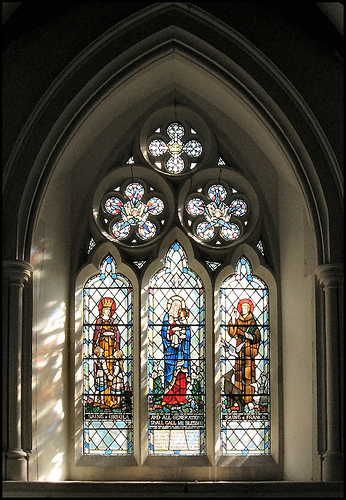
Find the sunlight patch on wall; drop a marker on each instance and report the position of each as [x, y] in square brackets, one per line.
[56, 473]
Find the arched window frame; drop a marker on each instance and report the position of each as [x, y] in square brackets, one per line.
[322, 231]
[89, 270]
[153, 268]
[268, 462]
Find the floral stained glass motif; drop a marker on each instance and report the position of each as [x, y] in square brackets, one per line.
[176, 358]
[244, 347]
[107, 362]
[171, 152]
[130, 215]
[214, 217]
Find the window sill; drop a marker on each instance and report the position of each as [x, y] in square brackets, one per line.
[177, 461]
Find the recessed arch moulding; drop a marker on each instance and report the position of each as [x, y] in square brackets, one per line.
[98, 130]
[102, 120]
[103, 138]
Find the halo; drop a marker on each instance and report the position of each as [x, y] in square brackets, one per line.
[245, 301]
[176, 297]
[107, 302]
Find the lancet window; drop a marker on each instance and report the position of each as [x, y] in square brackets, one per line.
[107, 362]
[176, 358]
[244, 345]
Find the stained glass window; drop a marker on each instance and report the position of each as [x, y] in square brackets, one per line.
[139, 263]
[219, 216]
[260, 247]
[176, 358]
[91, 245]
[213, 265]
[133, 213]
[218, 211]
[176, 152]
[244, 347]
[107, 362]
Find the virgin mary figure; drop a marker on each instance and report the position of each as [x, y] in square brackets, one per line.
[176, 337]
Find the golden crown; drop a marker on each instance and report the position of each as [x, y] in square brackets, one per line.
[107, 302]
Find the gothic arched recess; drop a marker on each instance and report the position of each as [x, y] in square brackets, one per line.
[88, 123]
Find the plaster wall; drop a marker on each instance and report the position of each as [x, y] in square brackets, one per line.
[50, 258]
[297, 339]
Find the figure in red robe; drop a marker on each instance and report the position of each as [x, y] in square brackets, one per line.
[176, 337]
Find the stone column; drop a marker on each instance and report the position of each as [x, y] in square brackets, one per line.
[330, 277]
[16, 274]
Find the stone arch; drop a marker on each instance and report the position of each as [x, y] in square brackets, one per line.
[172, 42]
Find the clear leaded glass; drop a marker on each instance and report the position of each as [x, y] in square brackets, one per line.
[244, 346]
[176, 358]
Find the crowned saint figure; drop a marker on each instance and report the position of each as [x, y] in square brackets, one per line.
[105, 344]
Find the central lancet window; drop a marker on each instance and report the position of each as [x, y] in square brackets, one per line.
[176, 358]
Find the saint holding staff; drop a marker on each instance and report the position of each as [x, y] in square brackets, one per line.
[243, 327]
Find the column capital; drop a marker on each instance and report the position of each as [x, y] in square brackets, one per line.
[17, 271]
[330, 274]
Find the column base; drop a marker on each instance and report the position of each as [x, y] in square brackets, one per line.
[332, 466]
[16, 465]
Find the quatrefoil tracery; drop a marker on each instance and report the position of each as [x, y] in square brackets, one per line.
[170, 153]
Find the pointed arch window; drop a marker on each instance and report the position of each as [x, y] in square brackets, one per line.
[176, 358]
[181, 404]
[107, 362]
[244, 344]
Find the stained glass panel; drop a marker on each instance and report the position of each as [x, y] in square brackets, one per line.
[220, 218]
[91, 245]
[158, 147]
[130, 214]
[107, 362]
[193, 148]
[260, 247]
[176, 358]
[244, 345]
[175, 164]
